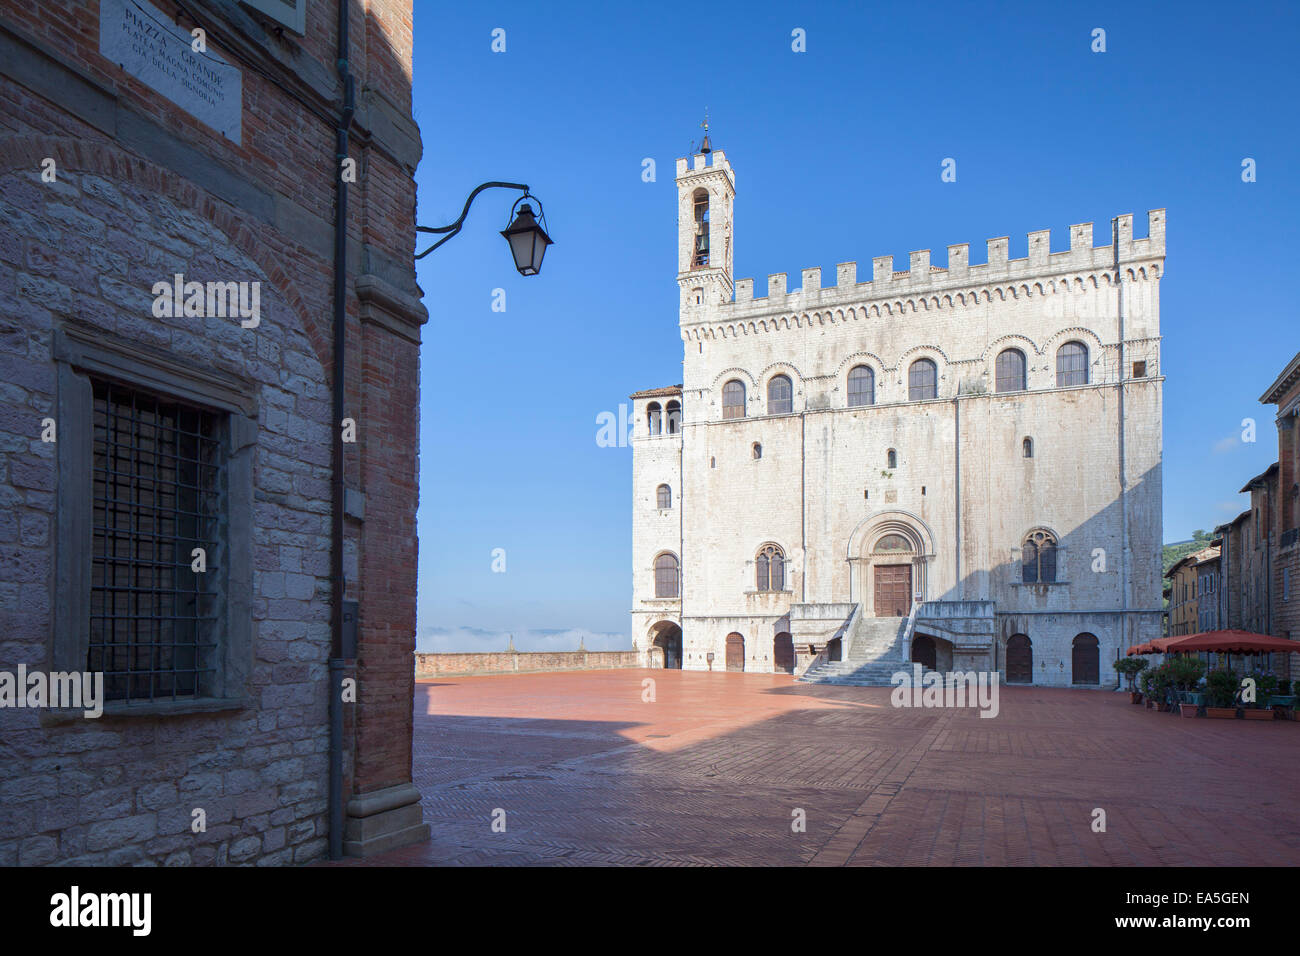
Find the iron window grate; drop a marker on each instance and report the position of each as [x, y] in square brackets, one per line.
[155, 623]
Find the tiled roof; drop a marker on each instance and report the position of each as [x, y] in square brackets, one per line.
[658, 392]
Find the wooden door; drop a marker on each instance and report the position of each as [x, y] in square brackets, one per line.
[735, 652]
[783, 654]
[893, 590]
[1020, 660]
[1085, 660]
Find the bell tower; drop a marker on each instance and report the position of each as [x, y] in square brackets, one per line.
[706, 191]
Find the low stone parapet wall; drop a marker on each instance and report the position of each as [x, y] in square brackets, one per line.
[519, 662]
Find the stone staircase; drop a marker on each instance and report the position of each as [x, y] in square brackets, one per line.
[875, 652]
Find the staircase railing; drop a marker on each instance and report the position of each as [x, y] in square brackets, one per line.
[910, 626]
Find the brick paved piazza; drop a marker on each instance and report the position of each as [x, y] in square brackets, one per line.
[710, 772]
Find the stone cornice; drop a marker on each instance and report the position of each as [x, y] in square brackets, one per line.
[835, 305]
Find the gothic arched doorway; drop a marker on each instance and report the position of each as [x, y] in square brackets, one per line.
[1020, 660]
[923, 651]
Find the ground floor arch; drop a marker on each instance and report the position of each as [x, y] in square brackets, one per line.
[1020, 660]
[735, 652]
[666, 646]
[1085, 660]
[783, 653]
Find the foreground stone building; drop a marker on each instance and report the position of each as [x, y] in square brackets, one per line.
[958, 465]
[169, 512]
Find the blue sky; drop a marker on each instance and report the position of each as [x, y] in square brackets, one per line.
[837, 152]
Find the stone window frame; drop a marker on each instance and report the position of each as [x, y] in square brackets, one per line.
[1017, 561]
[79, 354]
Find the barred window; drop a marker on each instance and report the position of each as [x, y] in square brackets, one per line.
[771, 568]
[157, 469]
[666, 576]
[1010, 370]
[862, 386]
[1071, 364]
[1038, 558]
[780, 396]
[733, 400]
[922, 380]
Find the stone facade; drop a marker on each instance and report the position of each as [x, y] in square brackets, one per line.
[142, 190]
[943, 493]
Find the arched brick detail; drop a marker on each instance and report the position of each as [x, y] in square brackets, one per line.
[105, 159]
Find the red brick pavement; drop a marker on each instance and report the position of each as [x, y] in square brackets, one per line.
[711, 771]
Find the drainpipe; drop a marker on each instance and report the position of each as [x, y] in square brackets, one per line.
[337, 661]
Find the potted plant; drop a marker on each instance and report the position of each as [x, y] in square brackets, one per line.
[1265, 684]
[1162, 682]
[1221, 688]
[1185, 673]
[1131, 667]
[1146, 688]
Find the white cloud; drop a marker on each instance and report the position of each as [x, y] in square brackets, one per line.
[1225, 445]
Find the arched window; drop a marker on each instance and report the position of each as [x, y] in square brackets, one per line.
[1010, 369]
[733, 399]
[673, 417]
[1085, 660]
[1038, 558]
[922, 380]
[664, 496]
[654, 418]
[1071, 364]
[771, 568]
[780, 395]
[666, 576]
[757, 451]
[862, 386]
[700, 252]
[891, 459]
[1027, 447]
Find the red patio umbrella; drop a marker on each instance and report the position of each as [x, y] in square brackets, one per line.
[1229, 642]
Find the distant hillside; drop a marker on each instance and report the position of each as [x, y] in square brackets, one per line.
[1173, 553]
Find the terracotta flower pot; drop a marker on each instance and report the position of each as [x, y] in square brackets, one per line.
[1228, 713]
[1187, 710]
[1254, 713]
[1135, 696]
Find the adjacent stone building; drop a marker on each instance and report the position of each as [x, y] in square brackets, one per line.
[1193, 593]
[170, 181]
[958, 465]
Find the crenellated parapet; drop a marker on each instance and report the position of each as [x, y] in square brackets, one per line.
[924, 286]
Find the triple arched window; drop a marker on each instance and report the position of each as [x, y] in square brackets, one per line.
[1038, 558]
[733, 399]
[780, 395]
[666, 576]
[1009, 371]
[770, 566]
[862, 386]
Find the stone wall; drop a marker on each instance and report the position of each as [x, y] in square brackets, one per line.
[519, 662]
[143, 191]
